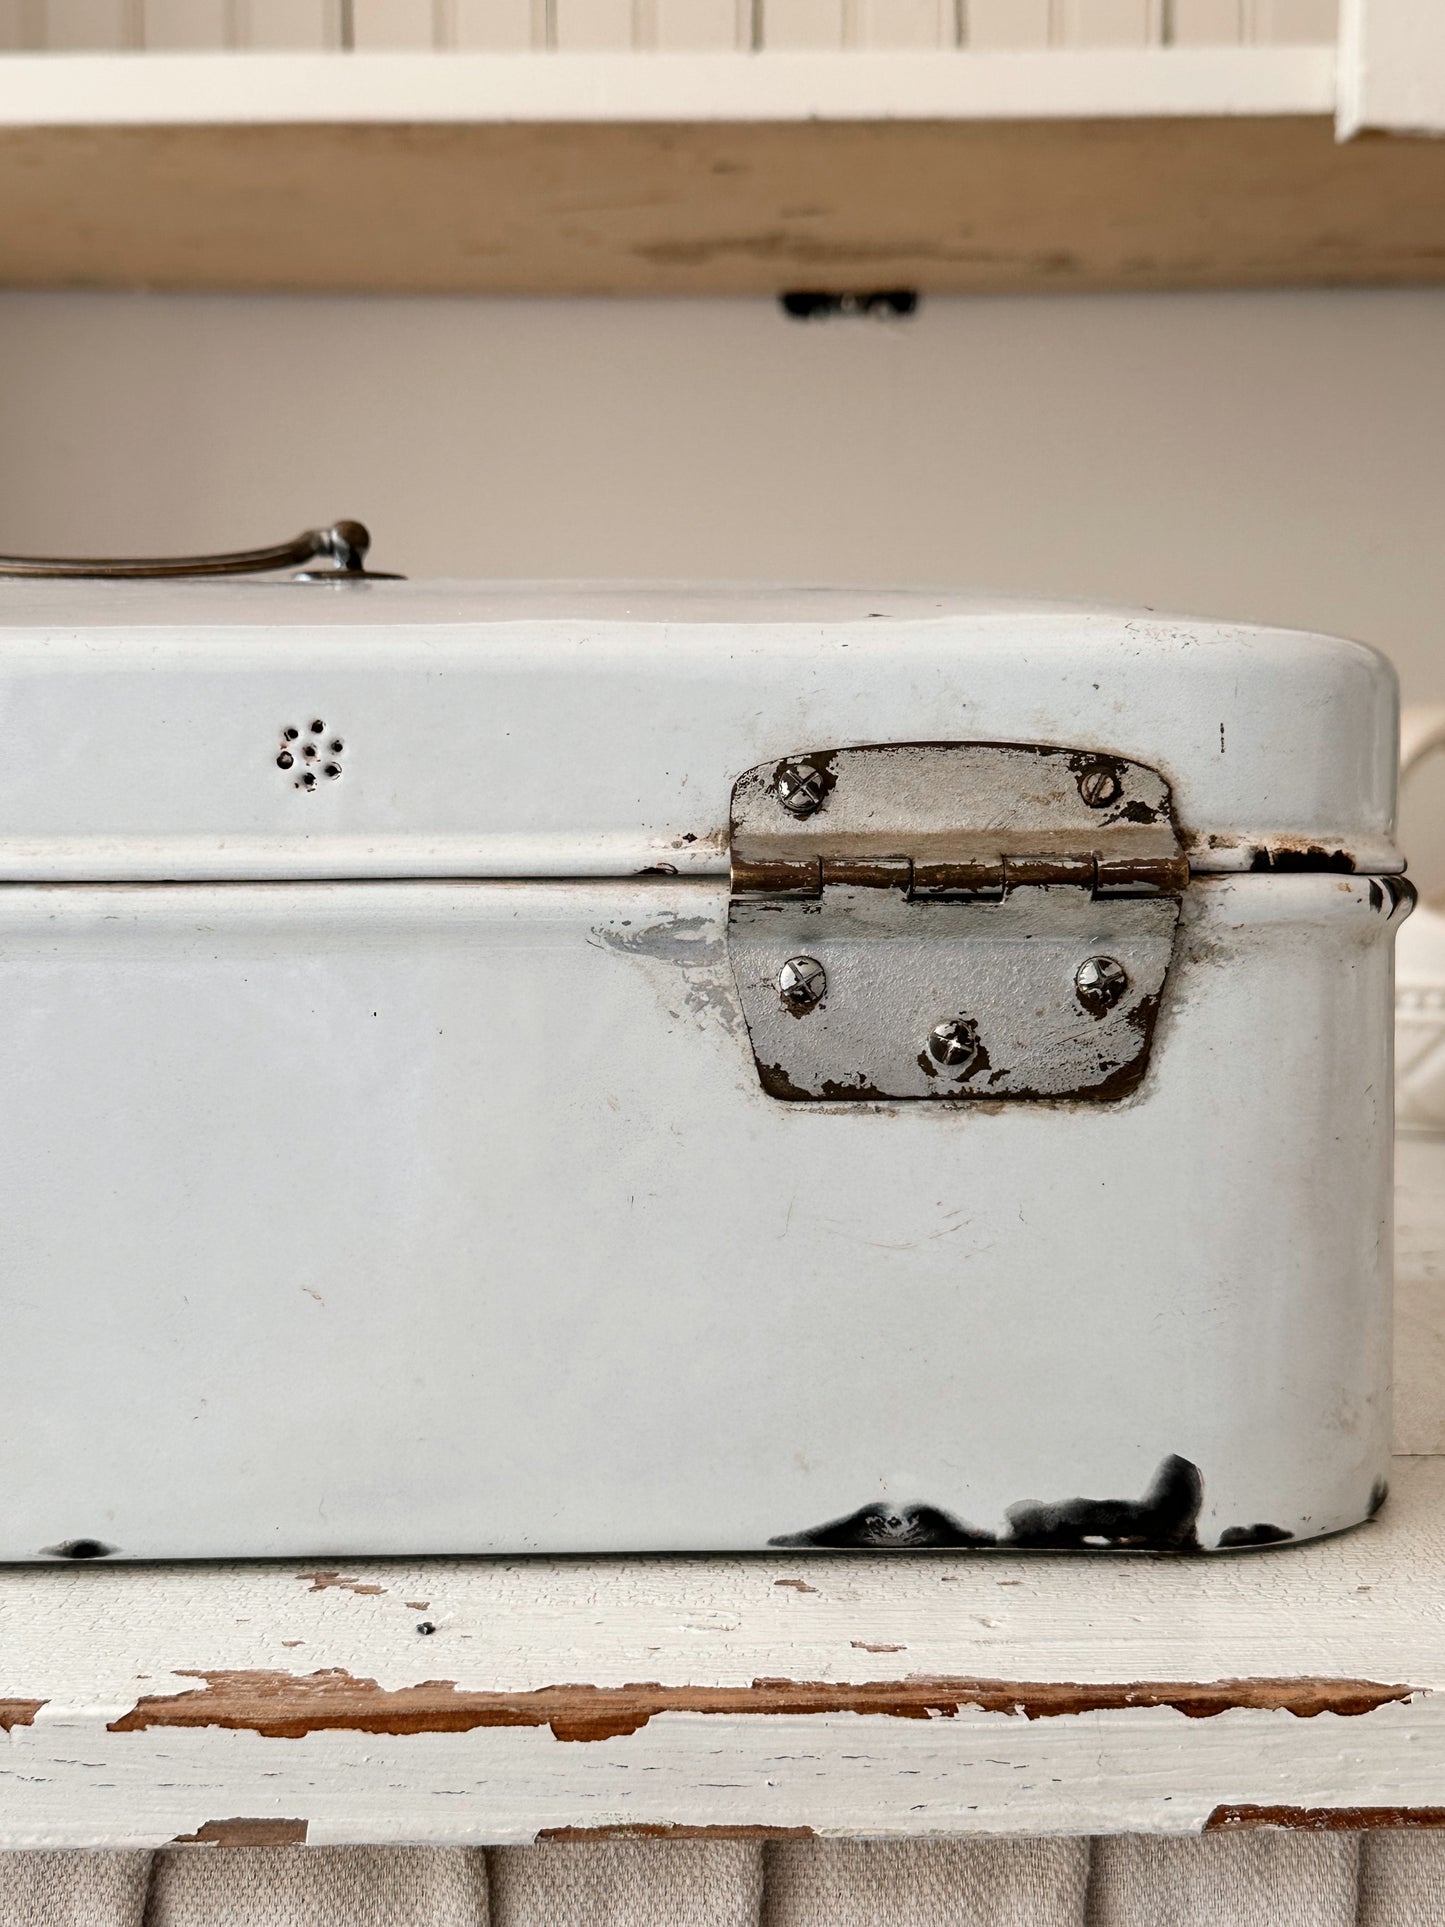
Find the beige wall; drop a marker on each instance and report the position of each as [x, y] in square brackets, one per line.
[1274, 456]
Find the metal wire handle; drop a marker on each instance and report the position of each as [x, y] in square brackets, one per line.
[344, 543]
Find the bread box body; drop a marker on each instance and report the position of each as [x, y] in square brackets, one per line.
[420, 1137]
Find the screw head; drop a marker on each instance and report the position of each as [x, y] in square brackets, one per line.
[954, 1043]
[1099, 983]
[1100, 786]
[802, 788]
[802, 982]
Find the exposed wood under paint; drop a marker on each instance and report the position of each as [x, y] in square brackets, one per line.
[288, 1706]
[245, 1833]
[720, 208]
[1327, 1819]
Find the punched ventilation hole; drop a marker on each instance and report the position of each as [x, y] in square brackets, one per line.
[309, 752]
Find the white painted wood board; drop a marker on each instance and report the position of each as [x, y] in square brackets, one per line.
[1108, 23]
[1006, 24]
[21, 26]
[497, 26]
[595, 26]
[900, 1696]
[185, 25]
[903, 23]
[381, 24]
[1392, 66]
[1296, 22]
[110, 25]
[290, 26]
[803, 23]
[721, 26]
[994, 83]
[1206, 23]
[162, 25]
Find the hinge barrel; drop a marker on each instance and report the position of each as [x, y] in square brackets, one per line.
[981, 880]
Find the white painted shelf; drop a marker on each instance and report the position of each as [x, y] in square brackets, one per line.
[875, 1694]
[715, 146]
[423, 89]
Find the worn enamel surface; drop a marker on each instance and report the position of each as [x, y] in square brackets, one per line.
[586, 730]
[364, 1216]
[525, 1259]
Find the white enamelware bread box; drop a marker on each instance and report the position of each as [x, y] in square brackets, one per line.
[503, 1068]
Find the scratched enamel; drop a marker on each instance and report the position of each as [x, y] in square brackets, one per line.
[408, 1150]
[596, 729]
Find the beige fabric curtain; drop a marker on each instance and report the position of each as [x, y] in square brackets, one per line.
[1256, 1879]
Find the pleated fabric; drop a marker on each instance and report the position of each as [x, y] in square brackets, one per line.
[64, 1889]
[675, 1883]
[925, 1883]
[1249, 1879]
[1402, 1879]
[1253, 1879]
[310, 1886]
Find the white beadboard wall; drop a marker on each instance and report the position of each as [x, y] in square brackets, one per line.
[72, 26]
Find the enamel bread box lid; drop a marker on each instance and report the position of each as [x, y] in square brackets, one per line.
[510, 1068]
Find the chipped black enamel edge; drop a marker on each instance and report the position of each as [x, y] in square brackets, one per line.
[1164, 1519]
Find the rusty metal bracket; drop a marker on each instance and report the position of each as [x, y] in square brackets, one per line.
[952, 920]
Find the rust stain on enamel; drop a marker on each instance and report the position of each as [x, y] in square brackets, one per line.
[289, 1706]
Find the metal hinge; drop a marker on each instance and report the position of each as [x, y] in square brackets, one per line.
[953, 920]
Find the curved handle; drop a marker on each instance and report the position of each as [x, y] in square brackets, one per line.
[344, 543]
[1422, 729]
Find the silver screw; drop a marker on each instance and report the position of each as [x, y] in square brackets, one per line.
[954, 1043]
[1100, 787]
[801, 983]
[1099, 983]
[801, 788]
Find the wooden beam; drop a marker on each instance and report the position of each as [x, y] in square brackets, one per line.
[719, 209]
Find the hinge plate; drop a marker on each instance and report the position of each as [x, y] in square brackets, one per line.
[952, 921]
